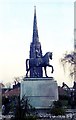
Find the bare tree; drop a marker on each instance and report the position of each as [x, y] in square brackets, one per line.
[69, 59]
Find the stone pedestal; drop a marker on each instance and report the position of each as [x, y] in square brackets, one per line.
[41, 92]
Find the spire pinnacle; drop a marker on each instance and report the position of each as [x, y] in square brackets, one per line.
[35, 30]
[34, 9]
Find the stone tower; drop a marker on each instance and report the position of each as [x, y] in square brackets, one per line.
[35, 49]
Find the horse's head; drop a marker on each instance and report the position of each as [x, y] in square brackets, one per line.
[50, 55]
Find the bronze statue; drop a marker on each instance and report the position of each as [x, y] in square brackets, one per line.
[39, 62]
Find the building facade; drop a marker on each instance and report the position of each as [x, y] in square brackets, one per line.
[75, 38]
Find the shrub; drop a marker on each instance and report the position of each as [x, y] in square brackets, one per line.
[23, 110]
[57, 111]
[57, 108]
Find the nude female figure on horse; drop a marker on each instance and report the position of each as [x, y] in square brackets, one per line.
[39, 62]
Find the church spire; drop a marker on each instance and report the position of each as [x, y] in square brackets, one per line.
[35, 49]
[35, 30]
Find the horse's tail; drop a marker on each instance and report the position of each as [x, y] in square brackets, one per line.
[27, 60]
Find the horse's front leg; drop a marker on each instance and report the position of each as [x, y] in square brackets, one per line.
[45, 72]
[52, 68]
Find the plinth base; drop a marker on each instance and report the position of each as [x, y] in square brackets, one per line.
[41, 92]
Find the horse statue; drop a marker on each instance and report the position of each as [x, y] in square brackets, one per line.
[39, 62]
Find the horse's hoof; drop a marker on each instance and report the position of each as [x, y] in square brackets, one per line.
[52, 71]
[47, 76]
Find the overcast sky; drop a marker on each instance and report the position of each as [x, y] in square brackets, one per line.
[55, 21]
